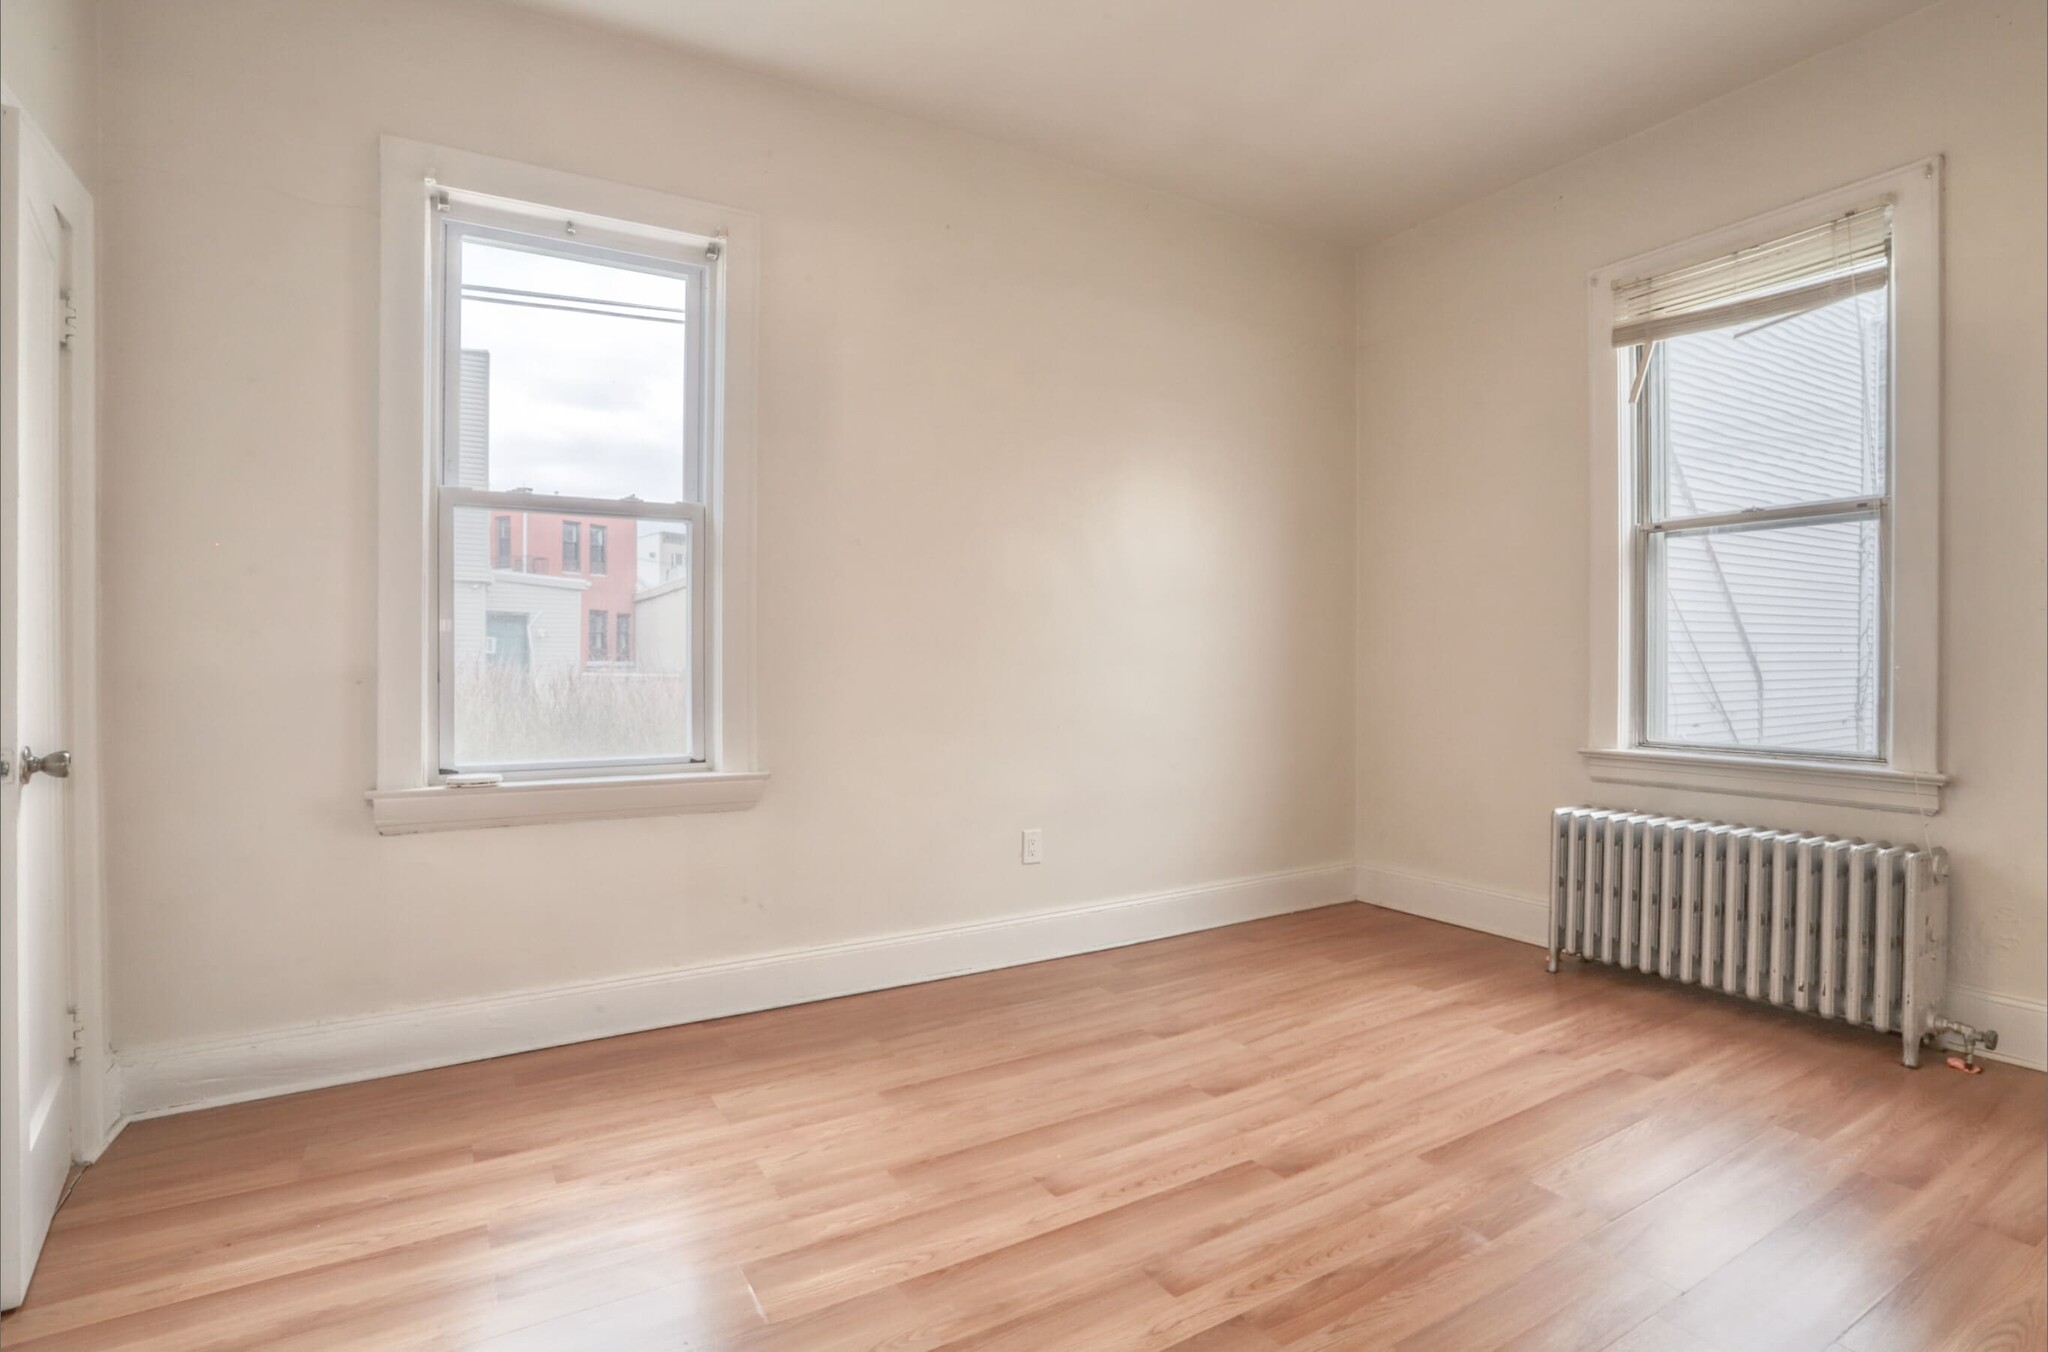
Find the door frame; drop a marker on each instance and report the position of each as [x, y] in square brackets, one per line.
[97, 1115]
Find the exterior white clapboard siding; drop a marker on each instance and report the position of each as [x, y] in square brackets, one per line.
[1773, 635]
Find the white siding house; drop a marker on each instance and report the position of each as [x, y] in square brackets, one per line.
[1771, 635]
[514, 618]
[661, 614]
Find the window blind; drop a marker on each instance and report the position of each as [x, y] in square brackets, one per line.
[1844, 256]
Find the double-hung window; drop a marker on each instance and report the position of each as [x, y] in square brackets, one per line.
[561, 359]
[574, 396]
[1761, 436]
[1773, 572]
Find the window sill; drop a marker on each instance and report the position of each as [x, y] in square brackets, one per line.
[439, 807]
[1759, 777]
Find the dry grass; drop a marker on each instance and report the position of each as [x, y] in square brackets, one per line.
[504, 715]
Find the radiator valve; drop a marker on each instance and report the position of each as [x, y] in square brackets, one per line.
[1972, 1039]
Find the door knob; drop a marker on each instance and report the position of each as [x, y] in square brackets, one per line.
[56, 764]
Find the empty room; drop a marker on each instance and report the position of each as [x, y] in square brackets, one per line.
[910, 674]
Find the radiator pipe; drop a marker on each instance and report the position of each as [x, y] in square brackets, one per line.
[1973, 1038]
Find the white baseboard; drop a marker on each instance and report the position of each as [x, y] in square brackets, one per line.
[2022, 1024]
[1500, 913]
[182, 1077]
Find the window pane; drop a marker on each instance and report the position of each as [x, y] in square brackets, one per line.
[1766, 639]
[1773, 412]
[536, 678]
[573, 376]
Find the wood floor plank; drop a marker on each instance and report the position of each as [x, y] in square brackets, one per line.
[1803, 1285]
[1336, 1130]
[1656, 1335]
[1577, 1298]
[1124, 1238]
[1686, 1232]
[1397, 1310]
[1957, 1294]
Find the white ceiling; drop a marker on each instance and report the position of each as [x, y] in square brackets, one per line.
[1348, 118]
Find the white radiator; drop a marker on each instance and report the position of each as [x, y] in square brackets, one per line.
[1840, 929]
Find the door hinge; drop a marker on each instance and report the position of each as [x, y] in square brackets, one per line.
[77, 1033]
[70, 329]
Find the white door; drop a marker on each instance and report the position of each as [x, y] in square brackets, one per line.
[38, 1084]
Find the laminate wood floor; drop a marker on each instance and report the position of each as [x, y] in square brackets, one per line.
[1341, 1129]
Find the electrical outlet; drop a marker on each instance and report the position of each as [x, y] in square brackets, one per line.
[1034, 846]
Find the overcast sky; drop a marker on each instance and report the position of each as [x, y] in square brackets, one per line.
[582, 404]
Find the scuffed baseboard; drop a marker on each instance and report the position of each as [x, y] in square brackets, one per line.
[181, 1077]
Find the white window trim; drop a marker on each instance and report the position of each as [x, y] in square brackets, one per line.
[1910, 779]
[445, 808]
[408, 796]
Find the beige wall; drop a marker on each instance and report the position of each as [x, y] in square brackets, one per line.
[1473, 529]
[47, 61]
[1055, 524]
